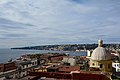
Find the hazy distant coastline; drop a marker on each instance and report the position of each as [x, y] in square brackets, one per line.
[70, 47]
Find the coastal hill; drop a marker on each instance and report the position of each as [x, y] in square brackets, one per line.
[70, 47]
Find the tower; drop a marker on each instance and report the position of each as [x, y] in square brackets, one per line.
[101, 59]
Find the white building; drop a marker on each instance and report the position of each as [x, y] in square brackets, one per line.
[69, 60]
[89, 53]
[116, 65]
[116, 61]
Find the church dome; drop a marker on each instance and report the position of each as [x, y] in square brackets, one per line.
[100, 53]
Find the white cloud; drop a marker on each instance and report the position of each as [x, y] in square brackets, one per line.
[53, 21]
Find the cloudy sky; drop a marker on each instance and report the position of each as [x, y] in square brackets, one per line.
[41, 22]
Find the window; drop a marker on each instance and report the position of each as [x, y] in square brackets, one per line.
[93, 64]
[101, 65]
[108, 65]
[27, 65]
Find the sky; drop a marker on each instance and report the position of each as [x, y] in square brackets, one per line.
[48, 22]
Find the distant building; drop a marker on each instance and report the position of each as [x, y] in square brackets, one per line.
[116, 65]
[69, 60]
[89, 53]
[7, 66]
[116, 62]
[21, 65]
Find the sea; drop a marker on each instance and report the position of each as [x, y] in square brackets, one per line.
[7, 54]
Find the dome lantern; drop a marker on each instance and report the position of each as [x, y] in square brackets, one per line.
[100, 43]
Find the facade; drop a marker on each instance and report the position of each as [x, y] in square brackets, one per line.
[101, 59]
[7, 67]
[17, 69]
[22, 65]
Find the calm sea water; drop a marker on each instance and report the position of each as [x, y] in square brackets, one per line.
[6, 54]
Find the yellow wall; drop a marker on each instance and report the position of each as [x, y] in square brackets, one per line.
[105, 64]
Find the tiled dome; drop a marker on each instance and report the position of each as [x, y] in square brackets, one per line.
[100, 53]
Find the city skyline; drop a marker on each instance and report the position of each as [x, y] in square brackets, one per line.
[42, 22]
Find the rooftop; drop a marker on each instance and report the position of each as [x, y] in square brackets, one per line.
[69, 68]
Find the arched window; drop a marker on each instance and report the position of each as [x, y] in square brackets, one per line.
[101, 65]
[93, 64]
[108, 66]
